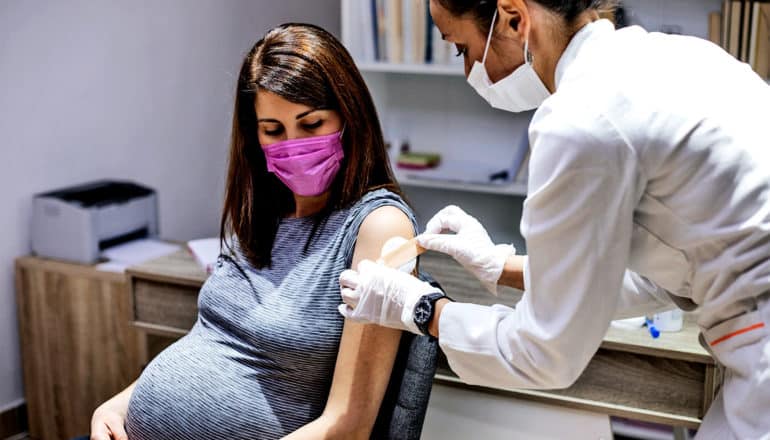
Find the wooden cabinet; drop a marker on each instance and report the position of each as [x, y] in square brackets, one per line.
[78, 348]
[164, 300]
[670, 380]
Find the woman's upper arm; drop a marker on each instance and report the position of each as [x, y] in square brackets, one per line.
[382, 224]
[366, 352]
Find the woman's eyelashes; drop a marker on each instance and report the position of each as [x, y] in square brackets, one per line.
[273, 131]
[461, 50]
[305, 126]
[312, 125]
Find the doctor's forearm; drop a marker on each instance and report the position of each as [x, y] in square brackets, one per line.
[433, 325]
[513, 272]
[512, 276]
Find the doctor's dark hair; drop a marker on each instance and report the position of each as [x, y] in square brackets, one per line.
[305, 65]
[483, 10]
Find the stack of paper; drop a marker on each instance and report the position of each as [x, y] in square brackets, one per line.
[206, 251]
[134, 252]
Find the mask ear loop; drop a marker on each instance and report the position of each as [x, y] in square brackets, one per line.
[489, 37]
[341, 153]
[528, 58]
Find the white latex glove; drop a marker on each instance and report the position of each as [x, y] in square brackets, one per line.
[470, 245]
[380, 295]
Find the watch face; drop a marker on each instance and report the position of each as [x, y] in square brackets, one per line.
[422, 312]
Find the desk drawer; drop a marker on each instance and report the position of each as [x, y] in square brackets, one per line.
[163, 308]
[636, 386]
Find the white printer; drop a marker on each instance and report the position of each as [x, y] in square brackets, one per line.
[77, 223]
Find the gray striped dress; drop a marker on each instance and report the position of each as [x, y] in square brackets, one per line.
[259, 361]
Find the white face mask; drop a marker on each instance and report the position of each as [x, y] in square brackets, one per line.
[520, 91]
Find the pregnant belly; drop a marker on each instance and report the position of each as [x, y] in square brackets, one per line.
[197, 389]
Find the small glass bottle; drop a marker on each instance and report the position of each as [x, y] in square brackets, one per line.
[668, 321]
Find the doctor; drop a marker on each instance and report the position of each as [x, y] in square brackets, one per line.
[649, 188]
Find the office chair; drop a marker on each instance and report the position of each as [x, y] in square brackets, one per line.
[405, 403]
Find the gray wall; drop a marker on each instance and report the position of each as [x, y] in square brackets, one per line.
[138, 90]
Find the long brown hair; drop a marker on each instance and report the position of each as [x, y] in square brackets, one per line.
[305, 65]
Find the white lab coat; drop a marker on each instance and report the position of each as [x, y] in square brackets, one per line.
[649, 186]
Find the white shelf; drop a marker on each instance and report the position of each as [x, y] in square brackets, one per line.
[507, 189]
[419, 69]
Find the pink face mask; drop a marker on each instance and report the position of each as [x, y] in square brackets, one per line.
[307, 165]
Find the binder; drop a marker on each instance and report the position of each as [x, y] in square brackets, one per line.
[393, 31]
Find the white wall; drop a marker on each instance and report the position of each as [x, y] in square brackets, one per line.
[690, 17]
[138, 90]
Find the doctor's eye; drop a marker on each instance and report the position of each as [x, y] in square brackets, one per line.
[461, 50]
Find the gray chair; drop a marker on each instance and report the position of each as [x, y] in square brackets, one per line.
[405, 403]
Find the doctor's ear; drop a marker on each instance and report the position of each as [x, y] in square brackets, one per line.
[514, 21]
[515, 15]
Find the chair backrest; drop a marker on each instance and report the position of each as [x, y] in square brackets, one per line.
[403, 408]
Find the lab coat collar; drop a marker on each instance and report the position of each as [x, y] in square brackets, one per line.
[585, 34]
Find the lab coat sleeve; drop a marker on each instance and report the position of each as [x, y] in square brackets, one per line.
[577, 222]
[640, 296]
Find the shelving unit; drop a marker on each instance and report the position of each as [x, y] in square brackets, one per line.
[431, 107]
[434, 110]
[506, 189]
[418, 69]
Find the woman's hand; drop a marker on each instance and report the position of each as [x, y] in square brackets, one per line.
[109, 419]
[470, 245]
[107, 422]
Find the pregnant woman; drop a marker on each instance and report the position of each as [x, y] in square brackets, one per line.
[309, 193]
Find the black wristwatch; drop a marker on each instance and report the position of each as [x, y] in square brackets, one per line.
[425, 309]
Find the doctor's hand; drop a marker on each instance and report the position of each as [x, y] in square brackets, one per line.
[470, 245]
[380, 295]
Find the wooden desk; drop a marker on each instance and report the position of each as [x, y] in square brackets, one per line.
[670, 380]
[77, 347]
